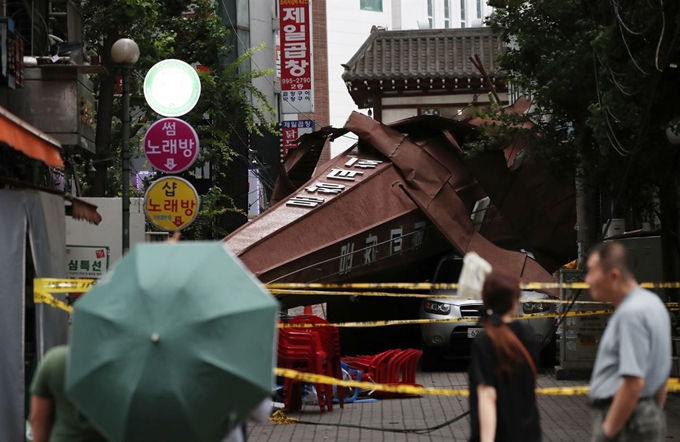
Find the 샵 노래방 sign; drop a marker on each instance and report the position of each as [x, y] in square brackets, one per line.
[171, 145]
[171, 203]
[296, 56]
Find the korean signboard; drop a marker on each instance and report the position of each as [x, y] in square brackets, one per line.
[171, 203]
[171, 145]
[292, 130]
[87, 262]
[172, 88]
[296, 56]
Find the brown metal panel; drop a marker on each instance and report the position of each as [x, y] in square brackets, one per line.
[445, 209]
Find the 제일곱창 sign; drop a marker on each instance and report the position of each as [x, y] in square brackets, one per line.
[171, 203]
[296, 56]
[171, 145]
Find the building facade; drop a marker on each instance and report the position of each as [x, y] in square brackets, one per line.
[351, 25]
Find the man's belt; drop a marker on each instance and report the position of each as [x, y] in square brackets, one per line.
[603, 403]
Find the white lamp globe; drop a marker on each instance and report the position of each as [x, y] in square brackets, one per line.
[125, 51]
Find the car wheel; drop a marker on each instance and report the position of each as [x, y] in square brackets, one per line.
[431, 359]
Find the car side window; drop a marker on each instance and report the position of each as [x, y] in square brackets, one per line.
[448, 270]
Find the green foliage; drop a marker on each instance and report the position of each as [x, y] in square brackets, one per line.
[207, 225]
[228, 96]
[498, 131]
[594, 72]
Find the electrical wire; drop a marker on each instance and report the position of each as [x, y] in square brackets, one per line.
[620, 20]
[625, 43]
[390, 430]
[610, 131]
[663, 31]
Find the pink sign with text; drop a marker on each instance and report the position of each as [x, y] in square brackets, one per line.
[171, 145]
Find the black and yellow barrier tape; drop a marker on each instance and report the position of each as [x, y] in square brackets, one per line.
[313, 378]
[45, 298]
[445, 286]
[279, 418]
[279, 292]
[53, 285]
[399, 388]
[440, 321]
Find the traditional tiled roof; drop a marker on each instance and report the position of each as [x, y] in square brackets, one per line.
[424, 54]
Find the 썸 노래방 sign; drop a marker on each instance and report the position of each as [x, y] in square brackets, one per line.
[172, 88]
[171, 203]
[171, 145]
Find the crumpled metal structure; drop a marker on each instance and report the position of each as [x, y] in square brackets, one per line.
[405, 194]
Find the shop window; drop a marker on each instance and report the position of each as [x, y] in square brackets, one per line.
[371, 5]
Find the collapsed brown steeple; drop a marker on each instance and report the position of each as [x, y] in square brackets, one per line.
[403, 195]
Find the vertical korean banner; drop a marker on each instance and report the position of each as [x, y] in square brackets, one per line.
[296, 56]
[291, 131]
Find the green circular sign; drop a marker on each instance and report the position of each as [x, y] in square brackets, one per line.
[172, 88]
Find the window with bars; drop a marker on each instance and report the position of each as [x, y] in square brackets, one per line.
[463, 13]
[479, 8]
[430, 13]
[371, 5]
[447, 13]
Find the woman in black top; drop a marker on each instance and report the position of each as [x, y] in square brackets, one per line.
[502, 369]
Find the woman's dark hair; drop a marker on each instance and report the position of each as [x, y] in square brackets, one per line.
[499, 293]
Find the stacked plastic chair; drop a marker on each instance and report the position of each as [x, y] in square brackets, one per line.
[330, 341]
[389, 367]
[301, 352]
[321, 354]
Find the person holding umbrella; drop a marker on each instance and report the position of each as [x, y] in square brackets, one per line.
[175, 343]
[503, 369]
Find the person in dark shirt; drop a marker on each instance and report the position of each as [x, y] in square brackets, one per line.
[503, 369]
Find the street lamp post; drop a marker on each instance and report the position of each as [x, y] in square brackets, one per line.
[125, 53]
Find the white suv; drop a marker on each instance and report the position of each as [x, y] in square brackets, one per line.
[452, 339]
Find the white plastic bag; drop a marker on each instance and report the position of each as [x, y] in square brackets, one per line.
[472, 276]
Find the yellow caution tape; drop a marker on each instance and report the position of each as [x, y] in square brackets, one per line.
[443, 321]
[53, 285]
[445, 286]
[45, 298]
[279, 418]
[280, 292]
[400, 388]
[673, 385]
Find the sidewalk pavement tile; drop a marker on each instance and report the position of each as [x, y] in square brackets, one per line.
[563, 418]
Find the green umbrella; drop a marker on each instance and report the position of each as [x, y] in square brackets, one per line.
[176, 343]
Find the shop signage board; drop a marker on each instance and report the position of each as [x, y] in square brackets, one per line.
[292, 130]
[171, 203]
[87, 262]
[171, 145]
[172, 88]
[296, 56]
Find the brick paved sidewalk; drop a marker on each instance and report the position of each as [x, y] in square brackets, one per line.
[563, 418]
